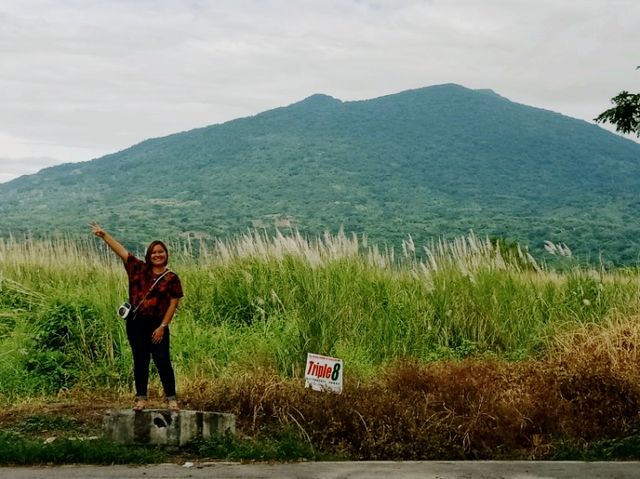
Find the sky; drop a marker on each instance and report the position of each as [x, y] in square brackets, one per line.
[83, 78]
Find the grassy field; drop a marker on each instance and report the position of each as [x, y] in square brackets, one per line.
[460, 349]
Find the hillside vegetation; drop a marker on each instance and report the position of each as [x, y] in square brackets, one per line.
[433, 162]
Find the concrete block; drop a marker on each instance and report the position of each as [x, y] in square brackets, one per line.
[164, 427]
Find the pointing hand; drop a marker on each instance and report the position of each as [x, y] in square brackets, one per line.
[97, 230]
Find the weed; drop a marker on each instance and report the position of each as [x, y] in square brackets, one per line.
[282, 445]
[16, 450]
[41, 424]
[626, 448]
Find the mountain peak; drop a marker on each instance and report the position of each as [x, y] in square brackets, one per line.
[318, 100]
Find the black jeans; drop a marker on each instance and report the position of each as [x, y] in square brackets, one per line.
[139, 331]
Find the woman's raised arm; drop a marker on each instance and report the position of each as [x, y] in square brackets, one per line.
[111, 242]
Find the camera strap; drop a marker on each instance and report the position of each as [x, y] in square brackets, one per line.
[152, 286]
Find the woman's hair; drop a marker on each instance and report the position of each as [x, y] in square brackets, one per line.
[147, 256]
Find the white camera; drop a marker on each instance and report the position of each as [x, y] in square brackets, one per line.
[124, 309]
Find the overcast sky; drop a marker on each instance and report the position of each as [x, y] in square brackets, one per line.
[83, 78]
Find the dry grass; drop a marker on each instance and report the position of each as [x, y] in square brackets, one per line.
[455, 410]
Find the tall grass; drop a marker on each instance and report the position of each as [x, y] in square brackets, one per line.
[258, 302]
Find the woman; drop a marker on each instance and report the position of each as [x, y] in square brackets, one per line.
[154, 294]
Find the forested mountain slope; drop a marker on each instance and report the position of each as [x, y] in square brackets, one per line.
[436, 161]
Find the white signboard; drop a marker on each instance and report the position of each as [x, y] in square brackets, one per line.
[323, 373]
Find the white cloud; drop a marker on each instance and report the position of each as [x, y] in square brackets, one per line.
[94, 76]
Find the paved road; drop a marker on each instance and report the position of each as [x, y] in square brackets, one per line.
[340, 470]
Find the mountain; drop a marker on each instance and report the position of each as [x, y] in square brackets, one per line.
[430, 162]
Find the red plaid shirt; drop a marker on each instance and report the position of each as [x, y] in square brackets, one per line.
[141, 277]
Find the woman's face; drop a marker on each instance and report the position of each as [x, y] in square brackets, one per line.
[158, 256]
